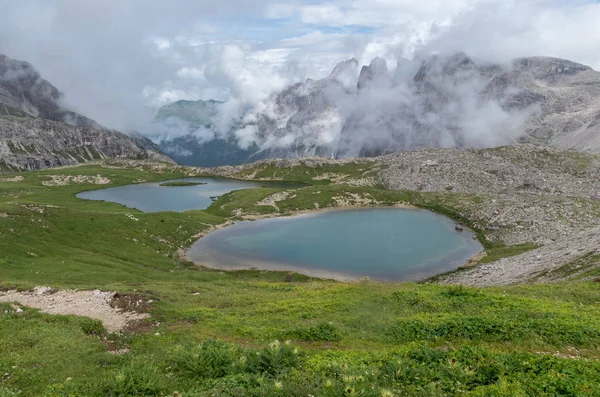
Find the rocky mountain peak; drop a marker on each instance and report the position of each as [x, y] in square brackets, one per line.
[375, 75]
[447, 100]
[23, 89]
[440, 66]
[542, 67]
[342, 67]
[345, 73]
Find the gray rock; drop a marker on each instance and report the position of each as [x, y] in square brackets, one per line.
[36, 131]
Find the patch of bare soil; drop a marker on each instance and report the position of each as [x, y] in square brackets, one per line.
[131, 303]
[273, 199]
[18, 178]
[63, 180]
[116, 311]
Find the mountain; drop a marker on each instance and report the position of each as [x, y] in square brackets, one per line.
[196, 142]
[567, 93]
[37, 131]
[195, 113]
[300, 115]
[440, 101]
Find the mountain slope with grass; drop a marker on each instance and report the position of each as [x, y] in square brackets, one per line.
[214, 333]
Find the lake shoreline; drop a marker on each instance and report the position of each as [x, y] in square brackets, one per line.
[314, 273]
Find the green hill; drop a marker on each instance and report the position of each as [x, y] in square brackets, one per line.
[213, 333]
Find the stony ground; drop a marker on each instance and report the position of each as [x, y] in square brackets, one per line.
[99, 305]
[524, 194]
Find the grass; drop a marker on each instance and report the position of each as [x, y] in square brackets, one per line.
[180, 184]
[324, 172]
[211, 332]
[498, 253]
[584, 267]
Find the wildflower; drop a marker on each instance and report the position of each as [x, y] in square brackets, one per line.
[386, 393]
[275, 345]
[278, 385]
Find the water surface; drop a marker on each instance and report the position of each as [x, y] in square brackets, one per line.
[151, 197]
[383, 244]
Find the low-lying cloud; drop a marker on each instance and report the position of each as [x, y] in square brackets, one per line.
[117, 62]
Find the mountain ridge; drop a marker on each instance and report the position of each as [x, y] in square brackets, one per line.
[441, 101]
[37, 131]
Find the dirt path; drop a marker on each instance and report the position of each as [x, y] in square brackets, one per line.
[94, 304]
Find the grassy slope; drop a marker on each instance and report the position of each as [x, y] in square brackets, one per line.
[364, 338]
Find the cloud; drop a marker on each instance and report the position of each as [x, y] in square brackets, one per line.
[117, 60]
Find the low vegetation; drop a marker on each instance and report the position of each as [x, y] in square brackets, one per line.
[215, 333]
[181, 184]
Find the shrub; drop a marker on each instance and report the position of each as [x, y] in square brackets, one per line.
[209, 360]
[92, 327]
[276, 359]
[137, 378]
[320, 332]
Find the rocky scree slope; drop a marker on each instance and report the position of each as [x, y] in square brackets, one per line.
[36, 131]
[515, 194]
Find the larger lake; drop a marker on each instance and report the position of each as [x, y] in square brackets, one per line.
[383, 244]
[152, 197]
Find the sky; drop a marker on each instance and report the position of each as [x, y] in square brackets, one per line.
[116, 61]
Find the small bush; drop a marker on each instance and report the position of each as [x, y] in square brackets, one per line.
[137, 378]
[460, 290]
[209, 360]
[276, 359]
[92, 327]
[321, 332]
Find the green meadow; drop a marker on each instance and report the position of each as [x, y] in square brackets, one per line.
[258, 333]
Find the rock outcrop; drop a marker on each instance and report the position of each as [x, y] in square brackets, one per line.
[31, 143]
[37, 131]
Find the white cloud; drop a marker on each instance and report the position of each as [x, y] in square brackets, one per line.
[113, 59]
[191, 73]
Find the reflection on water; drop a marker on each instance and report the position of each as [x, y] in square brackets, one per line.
[151, 197]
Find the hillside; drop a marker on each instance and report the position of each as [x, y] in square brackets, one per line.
[36, 131]
[191, 331]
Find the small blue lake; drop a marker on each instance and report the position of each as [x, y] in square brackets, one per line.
[383, 244]
[152, 197]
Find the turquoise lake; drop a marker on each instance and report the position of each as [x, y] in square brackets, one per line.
[151, 197]
[383, 244]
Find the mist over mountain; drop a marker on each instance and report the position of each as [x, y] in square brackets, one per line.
[38, 131]
[440, 101]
